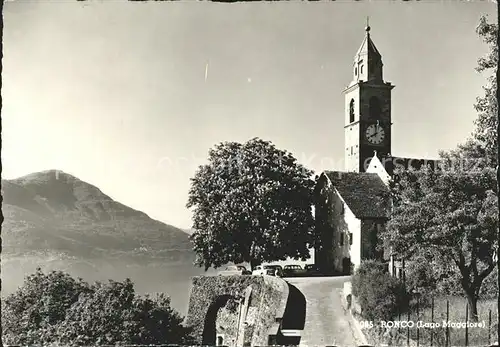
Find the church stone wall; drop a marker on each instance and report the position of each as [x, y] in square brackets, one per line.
[325, 224]
[383, 93]
[333, 218]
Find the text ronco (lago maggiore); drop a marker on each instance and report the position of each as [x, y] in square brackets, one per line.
[422, 324]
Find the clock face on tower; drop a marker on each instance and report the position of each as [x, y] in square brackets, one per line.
[375, 134]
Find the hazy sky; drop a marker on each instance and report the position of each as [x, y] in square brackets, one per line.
[119, 93]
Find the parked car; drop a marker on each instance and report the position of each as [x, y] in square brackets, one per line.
[311, 269]
[278, 270]
[263, 270]
[293, 270]
[244, 270]
[235, 270]
[270, 270]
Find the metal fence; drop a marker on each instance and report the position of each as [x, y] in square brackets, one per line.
[421, 323]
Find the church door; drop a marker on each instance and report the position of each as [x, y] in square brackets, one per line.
[346, 266]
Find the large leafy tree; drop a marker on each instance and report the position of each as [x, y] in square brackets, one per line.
[56, 308]
[481, 149]
[252, 203]
[451, 216]
[486, 130]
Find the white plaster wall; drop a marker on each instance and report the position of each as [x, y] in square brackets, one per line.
[377, 167]
[354, 225]
[347, 223]
[352, 132]
[352, 94]
[351, 140]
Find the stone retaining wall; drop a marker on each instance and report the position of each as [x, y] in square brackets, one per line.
[242, 310]
[349, 300]
[353, 308]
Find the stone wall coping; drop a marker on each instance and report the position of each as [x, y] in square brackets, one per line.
[347, 289]
[349, 302]
[276, 281]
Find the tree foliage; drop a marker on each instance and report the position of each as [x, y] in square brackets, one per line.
[56, 308]
[485, 132]
[451, 214]
[489, 289]
[480, 149]
[379, 294]
[252, 203]
[419, 275]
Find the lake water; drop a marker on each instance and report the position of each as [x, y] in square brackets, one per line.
[151, 276]
[175, 281]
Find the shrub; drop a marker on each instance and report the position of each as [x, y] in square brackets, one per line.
[379, 294]
[489, 288]
[432, 276]
[31, 314]
[448, 284]
[55, 308]
[420, 276]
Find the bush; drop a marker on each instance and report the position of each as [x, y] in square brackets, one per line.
[489, 288]
[448, 284]
[432, 276]
[420, 276]
[55, 308]
[379, 294]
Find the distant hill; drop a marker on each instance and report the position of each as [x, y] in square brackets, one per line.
[189, 231]
[57, 221]
[52, 210]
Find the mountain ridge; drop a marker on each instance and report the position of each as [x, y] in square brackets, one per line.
[55, 221]
[47, 207]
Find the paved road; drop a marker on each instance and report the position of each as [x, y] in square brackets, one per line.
[326, 322]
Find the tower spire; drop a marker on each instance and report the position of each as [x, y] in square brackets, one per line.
[367, 109]
[367, 61]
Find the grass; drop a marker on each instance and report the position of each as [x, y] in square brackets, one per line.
[477, 336]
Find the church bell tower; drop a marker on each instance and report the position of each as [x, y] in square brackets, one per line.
[367, 109]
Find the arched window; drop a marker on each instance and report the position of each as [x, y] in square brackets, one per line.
[375, 109]
[361, 69]
[351, 111]
[355, 71]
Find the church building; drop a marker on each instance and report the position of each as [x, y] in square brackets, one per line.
[353, 206]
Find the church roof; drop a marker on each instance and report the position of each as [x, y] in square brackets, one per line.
[368, 47]
[365, 193]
